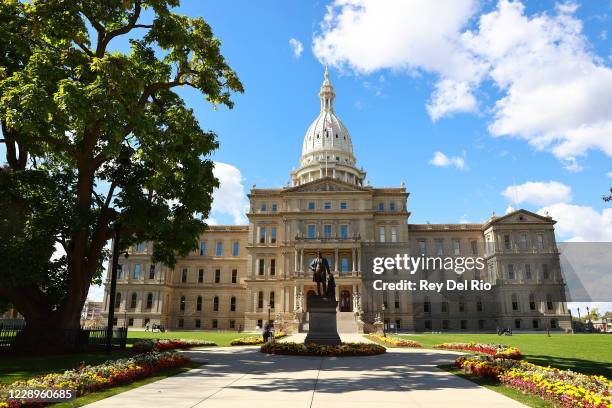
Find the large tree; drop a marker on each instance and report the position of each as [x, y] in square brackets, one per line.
[95, 136]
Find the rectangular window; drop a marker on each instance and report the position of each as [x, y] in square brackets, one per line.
[344, 264]
[327, 205]
[381, 206]
[344, 231]
[235, 248]
[219, 248]
[311, 205]
[217, 275]
[445, 324]
[312, 230]
[272, 266]
[545, 272]
[398, 324]
[273, 235]
[201, 276]
[456, 247]
[131, 321]
[527, 271]
[474, 246]
[507, 241]
[463, 324]
[232, 324]
[274, 207]
[198, 323]
[140, 247]
[203, 248]
[152, 272]
[119, 271]
[264, 207]
[215, 324]
[392, 206]
[184, 275]
[234, 275]
[428, 324]
[481, 324]
[262, 235]
[181, 323]
[262, 266]
[393, 233]
[510, 271]
[540, 242]
[422, 247]
[136, 272]
[271, 301]
[439, 247]
[523, 241]
[535, 324]
[444, 306]
[381, 234]
[344, 205]
[327, 231]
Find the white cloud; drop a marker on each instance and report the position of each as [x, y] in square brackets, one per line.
[297, 47]
[555, 93]
[538, 193]
[609, 174]
[230, 198]
[580, 223]
[441, 160]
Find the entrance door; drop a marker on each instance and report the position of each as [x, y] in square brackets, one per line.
[308, 295]
[345, 301]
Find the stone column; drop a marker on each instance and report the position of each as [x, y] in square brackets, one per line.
[297, 263]
[336, 261]
[359, 259]
[354, 252]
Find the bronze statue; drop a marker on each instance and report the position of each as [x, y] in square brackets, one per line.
[331, 287]
[320, 270]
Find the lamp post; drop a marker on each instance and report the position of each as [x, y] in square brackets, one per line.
[113, 288]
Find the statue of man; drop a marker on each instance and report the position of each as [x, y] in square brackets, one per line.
[320, 269]
[331, 287]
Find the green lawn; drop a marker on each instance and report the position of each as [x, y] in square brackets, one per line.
[222, 338]
[585, 353]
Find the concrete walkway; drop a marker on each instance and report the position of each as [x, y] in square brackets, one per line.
[344, 337]
[242, 377]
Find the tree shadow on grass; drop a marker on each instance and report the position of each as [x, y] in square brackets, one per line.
[574, 364]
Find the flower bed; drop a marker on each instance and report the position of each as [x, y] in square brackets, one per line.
[394, 342]
[495, 350]
[164, 345]
[563, 388]
[87, 379]
[254, 340]
[343, 350]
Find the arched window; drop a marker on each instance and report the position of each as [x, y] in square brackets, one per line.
[514, 302]
[133, 301]
[233, 304]
[149, 301]
[216, 303]
[117, 300]
[199, 304]
[260, 298]
[182, 304]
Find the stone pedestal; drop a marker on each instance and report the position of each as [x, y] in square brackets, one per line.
[322, 321]
[379, 328]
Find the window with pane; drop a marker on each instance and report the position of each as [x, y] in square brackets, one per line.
[439, 247]
[119, 271]
[235, 248]
[203, 248]
[554, 323]
[343, 205]
[532, 303]
[152, 272]
[461, 305]
[393, 233]
[510, 271]
[540, 241]
[344, 231]
[474, 247]
[271, 304]
[182, 304]
[217, 275]
[527, 271]
[117, 300]
[456, 247]
[422, 247]
[272, 266]
[517, 323]
[184, 275]
[260, 300]
[234, 275]
[549, 302]
[274, 207]
[392, 206]
[381, 234]
[219, 248]
[327, 205]
[233, 304]
[181, 322]
[149, 301]
[262, 235]
[344, 264]
[215, 324]
[262, 266]
[444, 306]
[273, 235]
[535, 323]
[216, 304]
[140, 247]
[264, 207]
[198, 323]
[507, 241]
[327, 231]
[445, 324]
[381, 206]
[426, 305]
[199, 304]
[311, 205]
[515, 304]
[201, 276]
[523, 241]
[479, 305]
[396, 300]
[136, 272]
[545, 272]
[312, 231]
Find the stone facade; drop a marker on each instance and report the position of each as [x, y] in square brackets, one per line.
[240, 277]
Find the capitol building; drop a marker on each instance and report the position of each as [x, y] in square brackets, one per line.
[242, 276]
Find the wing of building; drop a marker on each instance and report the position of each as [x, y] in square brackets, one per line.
[240, 277]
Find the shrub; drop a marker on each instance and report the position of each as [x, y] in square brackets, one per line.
[394, 342]
[254, 340]
[495, 350]
[164, 345]
[342, 350]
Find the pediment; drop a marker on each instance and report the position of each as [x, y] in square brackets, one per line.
[522, 217]
[325, 184]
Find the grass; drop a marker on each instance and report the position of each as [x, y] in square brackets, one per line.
[529, 400]
[222, 338]
[585, 353]
[96, 396]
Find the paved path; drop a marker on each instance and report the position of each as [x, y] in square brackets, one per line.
[344, 337]
[243, 377]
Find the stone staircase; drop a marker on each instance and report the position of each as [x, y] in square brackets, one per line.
[346, 322]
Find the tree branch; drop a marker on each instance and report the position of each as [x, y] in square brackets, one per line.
[120, 31]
